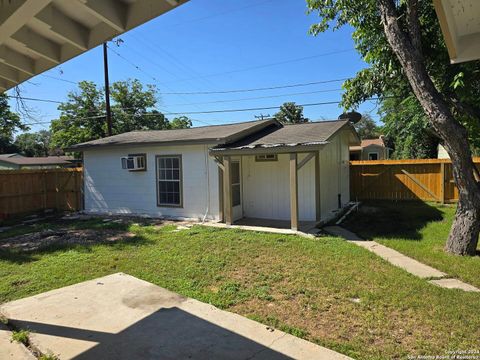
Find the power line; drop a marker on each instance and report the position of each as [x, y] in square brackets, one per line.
[231, 91]
[259, 97]
[222, 13]
[60, 79]
[226, 110]
[33, 99]
[257, 89]
[214, 111]
[221, 73]
[264, 65]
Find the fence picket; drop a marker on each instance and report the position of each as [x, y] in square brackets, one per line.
[23, 191]
[416, 179]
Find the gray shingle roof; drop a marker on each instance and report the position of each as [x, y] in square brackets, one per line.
[41, 160]
[204, 134]
[312, 133]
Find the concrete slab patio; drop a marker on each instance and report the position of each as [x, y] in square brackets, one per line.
[12, 350]
[122, 317]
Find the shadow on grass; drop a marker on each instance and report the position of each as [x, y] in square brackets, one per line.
[392, 219]
[79, 236]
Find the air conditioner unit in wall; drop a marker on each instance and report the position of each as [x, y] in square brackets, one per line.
[134, 162]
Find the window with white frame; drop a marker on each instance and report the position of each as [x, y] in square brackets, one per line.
[373, 156]
[169, 180]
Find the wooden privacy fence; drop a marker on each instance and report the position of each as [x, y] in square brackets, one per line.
[422, 179]
[23, 191]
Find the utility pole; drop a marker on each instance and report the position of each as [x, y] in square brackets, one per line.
[107, 90]
[261, 116]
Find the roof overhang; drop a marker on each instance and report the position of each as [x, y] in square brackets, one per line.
[269, 149]
[87, 147]
[459, 21]
[37, 35]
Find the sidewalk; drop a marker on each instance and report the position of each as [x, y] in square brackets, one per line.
[410, 265]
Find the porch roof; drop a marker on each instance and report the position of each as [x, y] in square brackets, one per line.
[289, 137]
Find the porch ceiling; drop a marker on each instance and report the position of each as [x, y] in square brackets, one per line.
[460, 23]
[37, 35]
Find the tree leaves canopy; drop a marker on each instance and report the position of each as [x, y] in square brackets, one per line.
[34, 144]
[83, 119]
[384, 78]
[290, 113]
[9, 124]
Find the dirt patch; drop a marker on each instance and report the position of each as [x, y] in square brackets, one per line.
[42, 239]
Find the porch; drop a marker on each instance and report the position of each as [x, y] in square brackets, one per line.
[255, 192]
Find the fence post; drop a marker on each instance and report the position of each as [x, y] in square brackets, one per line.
[442, 182]
[56, 190]
[44, 190]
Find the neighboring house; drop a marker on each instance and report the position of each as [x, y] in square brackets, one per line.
[258, 169]
[442, 152]
[370, 149]
[18, 162]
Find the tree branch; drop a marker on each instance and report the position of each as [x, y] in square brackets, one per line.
[414, 26]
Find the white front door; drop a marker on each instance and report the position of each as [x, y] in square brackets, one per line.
[236, 176]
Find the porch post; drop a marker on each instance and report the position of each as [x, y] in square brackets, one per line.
[220, 194]
[318, 203]
[227, 191]
[293, 192]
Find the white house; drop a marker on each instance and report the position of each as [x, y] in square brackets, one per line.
[251, 170]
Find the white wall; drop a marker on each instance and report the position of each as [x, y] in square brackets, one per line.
[334, 174]
[442, 152]
[111, 189]
[266, 188]
[266, 185]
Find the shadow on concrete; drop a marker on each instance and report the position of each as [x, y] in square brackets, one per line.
[169, 333]
[392, 219]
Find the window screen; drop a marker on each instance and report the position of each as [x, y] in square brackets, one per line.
[169, 179]
[266, 157]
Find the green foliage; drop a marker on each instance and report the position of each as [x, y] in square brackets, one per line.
[34, 144]
[83, 114]
[21, 336]
[131, 109]
[406, 125]
[9, 123]
[181, 122]
[385, 78]
[81, 117]
[290, 113]
[285, 281]
[48, 357]
[367, 128]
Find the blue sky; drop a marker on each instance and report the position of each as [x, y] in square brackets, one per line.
[211, 45]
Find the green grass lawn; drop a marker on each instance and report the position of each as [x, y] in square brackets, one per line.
[325, 290]
[418, 230]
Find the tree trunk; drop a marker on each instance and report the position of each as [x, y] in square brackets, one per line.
[465, 229]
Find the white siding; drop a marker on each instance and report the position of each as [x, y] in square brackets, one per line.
[111, 189]
[265, 185]
[266, 189]
[334, 174]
